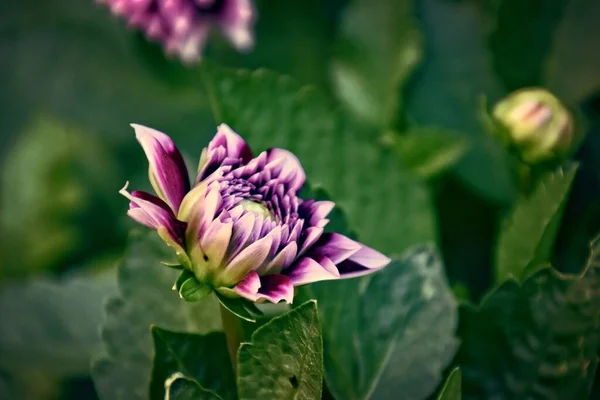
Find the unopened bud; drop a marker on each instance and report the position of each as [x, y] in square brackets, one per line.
[537, 124]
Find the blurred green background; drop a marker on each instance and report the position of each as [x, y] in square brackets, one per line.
[72, 79]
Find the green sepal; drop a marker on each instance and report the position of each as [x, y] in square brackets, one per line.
[184, 276]
[242, 308]
[173, 265]
[190, 289]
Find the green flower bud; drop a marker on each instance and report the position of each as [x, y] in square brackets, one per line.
[537, 124]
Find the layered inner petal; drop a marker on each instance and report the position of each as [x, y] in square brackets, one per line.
[285, 167]
[226, 148]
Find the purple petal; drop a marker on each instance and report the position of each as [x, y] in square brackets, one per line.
[249, 259]
[225, 147]
[168, 173]
[310, 237]
[215, 241]
[203, 213]
[319, 210]
[370, 258]
[282, 260]
[152, 212]
[233, 143]
[236, 20]
[363, 262]
[286, 168]
[307, 270]
[249, 286]
[242, 230]
[336, 247]
[272, 288]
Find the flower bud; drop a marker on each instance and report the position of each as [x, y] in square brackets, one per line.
[537, 124]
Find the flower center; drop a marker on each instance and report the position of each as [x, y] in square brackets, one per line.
[256, 208]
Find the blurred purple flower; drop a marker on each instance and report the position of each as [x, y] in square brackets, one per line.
[242, 229]
[182, 26]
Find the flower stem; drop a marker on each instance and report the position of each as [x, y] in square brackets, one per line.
[232, 325]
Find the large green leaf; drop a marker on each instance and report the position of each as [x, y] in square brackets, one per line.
[452, 387]
[573, 69]
[522, 38]
[146, 299]
[537, 340]
[284, 359]
[529, 231]
[430, 151]
[179, 387]
[390, 334]
[51, 325]
[447, 91]
[204, 359]
[380, 199]
[378, 48]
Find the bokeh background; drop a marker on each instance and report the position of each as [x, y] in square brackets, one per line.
[72, 79]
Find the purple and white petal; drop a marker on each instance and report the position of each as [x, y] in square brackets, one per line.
[309, 238]
[153, 212]
[307, 270]
[365, 261]
[167, 171]
[236, 21]
[284, 166]
[271, 288]
[233, 143]
[336, 247]
[215, 242]
[249, 259]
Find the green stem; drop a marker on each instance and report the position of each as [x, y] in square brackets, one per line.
[232, 325]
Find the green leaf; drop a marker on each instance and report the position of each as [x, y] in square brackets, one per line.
[178, 387]
[243, 308]
[203, 359]
[539, 339]
[574, 63]
[390, 333]
[284, 359]
[51, 325]
[378, 48]
[447, 90]
[529, 231]
[146, 299]
[522, 40]
[428, 152]
[379, 198]
[451, 389]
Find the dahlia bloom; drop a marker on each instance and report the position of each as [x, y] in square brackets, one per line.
[241, 229]
[182, 26]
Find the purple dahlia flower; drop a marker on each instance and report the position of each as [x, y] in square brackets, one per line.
[241, 229]
[182, 26]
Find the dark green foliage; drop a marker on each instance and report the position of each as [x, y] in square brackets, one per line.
[539, 339]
